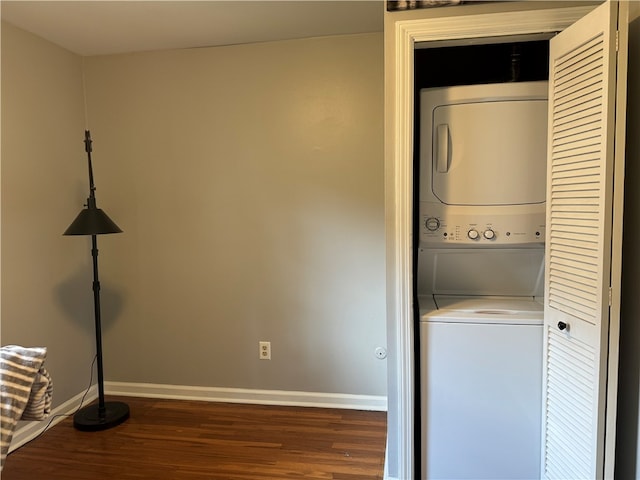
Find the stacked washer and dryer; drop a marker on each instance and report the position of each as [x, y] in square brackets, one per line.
[480, 270]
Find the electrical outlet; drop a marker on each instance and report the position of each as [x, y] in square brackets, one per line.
[265, 350]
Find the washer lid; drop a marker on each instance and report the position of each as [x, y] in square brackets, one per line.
[488, 304]
[485, 310]
[490, 318]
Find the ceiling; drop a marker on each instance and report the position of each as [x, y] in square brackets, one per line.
[90, 27]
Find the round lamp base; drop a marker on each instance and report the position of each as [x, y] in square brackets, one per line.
[89, 418]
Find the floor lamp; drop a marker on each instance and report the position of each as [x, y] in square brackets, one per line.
[93, 221]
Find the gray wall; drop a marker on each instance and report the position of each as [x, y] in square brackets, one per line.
[249, 183]
[46, 278]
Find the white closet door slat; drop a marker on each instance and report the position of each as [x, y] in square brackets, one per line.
[564, 447]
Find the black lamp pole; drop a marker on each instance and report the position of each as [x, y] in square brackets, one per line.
[93, 221]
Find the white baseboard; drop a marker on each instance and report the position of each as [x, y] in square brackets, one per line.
[245, 395]
[27, 431]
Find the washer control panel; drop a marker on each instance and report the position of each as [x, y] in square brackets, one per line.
[477, 229]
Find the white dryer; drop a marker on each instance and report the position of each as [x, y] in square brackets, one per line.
[481, 374]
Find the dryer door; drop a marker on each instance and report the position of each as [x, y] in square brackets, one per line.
[477, 145]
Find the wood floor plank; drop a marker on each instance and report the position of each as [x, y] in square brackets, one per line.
[191, 440]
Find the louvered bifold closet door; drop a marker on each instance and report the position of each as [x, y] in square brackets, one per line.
[578, 245]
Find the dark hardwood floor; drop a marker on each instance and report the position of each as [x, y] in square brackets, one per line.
[176, 440]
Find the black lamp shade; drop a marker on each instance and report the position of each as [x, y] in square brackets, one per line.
[92, 221]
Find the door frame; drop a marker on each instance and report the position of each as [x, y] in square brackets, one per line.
[400, 39]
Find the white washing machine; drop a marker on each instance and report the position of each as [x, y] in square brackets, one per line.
[481, 387]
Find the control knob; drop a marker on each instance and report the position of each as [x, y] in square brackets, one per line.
[489, 234]
[432, 224]
[473, 234]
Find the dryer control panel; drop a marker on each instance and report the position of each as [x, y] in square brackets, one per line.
[441, 228]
